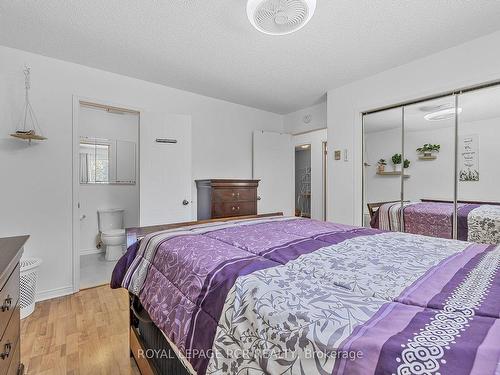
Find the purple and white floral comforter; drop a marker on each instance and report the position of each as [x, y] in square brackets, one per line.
[298, 296]
[476, 222]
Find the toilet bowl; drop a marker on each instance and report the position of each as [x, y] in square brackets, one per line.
[113, 241]
[112, 232]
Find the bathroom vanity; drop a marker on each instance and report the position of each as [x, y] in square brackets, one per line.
[11, 249]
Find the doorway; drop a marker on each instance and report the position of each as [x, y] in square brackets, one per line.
[106, 170]
[303, 180]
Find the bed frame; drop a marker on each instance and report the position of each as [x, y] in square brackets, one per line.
[145, 337]
[373, 207]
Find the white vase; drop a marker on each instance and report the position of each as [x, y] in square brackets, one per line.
[398, 167]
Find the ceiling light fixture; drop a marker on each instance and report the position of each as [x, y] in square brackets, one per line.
[280, 17]
[443, 114]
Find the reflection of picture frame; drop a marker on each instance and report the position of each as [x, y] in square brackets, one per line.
[469, 158]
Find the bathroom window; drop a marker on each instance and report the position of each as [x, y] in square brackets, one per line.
[102, 163]
[94, 162]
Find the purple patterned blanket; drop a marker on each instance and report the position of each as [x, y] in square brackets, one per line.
[475, 222]
[286, 295]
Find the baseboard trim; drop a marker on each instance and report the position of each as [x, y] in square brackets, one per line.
[90, 251]
[54, 293]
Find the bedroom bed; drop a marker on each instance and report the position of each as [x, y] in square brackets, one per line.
[476, 221]
[283, 295]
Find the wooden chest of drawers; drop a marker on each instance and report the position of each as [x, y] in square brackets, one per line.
[226, 198]
[11, 250]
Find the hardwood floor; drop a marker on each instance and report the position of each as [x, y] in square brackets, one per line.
[85, 333]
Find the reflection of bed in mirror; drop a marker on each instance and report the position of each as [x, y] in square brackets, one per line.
[476, 221]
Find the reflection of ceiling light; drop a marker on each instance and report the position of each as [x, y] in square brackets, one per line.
[305, 147]
[443, 114]
[280, 17]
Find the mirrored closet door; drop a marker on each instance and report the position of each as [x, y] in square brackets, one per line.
[383, 134]
[429, 161]
[422, 170]
[478, 171]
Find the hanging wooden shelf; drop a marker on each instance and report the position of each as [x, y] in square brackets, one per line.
[432, 157]
[28, 137]
[26, 131]
[392, 173]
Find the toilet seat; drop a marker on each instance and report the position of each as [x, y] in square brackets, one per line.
[113, 233]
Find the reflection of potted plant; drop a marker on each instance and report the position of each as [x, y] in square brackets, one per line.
[428, 149]
[397, 161]
[381, 165]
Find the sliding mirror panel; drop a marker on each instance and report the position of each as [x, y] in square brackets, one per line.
[429, 168]
[382, 179]
[478, 173]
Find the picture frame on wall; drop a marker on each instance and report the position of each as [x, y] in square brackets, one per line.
[469, 158]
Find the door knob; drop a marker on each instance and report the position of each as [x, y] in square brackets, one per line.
[185, 202]
[258, 197]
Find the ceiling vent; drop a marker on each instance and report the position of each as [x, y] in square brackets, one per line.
[280, 17]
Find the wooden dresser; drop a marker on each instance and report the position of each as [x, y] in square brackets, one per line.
[11, 249]
[226, 198]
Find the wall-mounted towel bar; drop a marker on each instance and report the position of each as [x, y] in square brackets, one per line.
[166, 140]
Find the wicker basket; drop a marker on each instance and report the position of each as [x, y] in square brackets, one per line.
[29, 277]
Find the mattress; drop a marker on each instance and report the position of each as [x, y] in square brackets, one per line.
[289, 295]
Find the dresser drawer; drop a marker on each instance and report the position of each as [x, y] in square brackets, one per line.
[14, 368]
[9, 341]
[9, 295]
[234, 195]
[234, 209]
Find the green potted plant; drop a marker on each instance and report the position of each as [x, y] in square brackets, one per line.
[427, 149]
[381, 165]
[396, 161]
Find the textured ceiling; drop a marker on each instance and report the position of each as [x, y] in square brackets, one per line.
[209, 47]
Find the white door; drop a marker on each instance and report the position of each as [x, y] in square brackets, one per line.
[273, 164]
[165, 168]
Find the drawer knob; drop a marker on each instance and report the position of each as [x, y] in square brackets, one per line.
[6, 351]
[7, 304]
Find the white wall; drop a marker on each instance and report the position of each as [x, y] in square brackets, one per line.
[96, 123]
[36, 189]
[315, 139]
[487, 188]
[429, 179]
[465, 65]
[294, 122]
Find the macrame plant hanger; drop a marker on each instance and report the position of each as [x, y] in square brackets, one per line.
[26, 130]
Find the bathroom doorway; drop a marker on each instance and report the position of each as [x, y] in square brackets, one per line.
[106, 169]
[303, 180]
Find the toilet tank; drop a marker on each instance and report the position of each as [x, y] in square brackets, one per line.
[110, 219]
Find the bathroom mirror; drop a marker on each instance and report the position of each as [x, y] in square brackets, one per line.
[107, 161]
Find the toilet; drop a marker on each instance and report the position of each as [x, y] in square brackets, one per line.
[112, 232]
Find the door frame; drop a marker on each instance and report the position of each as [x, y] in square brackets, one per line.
[75, 180]
[317, 143]
[324, 166]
